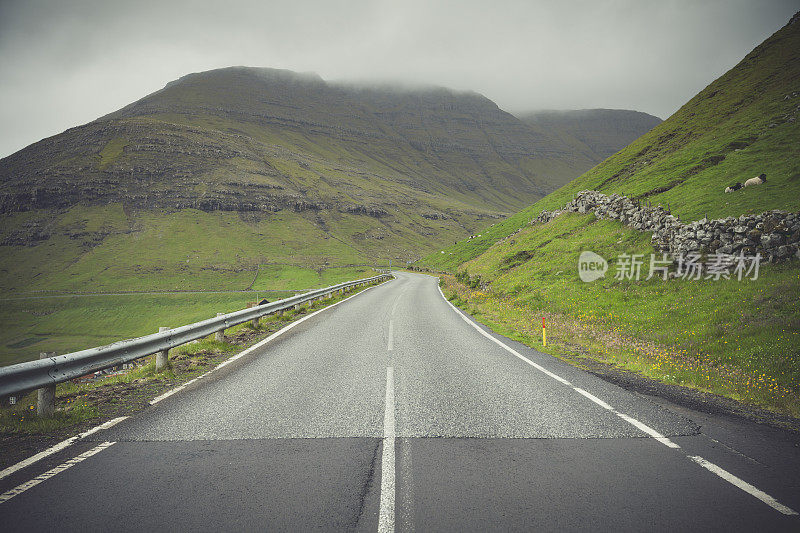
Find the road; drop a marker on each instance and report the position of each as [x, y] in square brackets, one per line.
[391, 411]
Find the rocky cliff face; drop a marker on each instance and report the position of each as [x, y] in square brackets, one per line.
[243, 139]
[160, 168]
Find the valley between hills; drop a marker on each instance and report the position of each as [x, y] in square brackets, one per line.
[243, 183]
[249, 179]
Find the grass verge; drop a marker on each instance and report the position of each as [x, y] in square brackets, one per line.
[575, 337]
[82, 405]
[67, 323]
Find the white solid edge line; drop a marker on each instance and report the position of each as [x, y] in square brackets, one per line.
[594, 398]
[68, 442]
[501, 344]
[254, 347]
[724, 474]
[58, 447]
[643, 427]
[19, 489]
[647, 429]
[386, 511]
[743, 485]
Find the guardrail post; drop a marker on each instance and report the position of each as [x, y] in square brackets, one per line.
[254, 322]
[46, 404]
[219, 336]
[162, 357]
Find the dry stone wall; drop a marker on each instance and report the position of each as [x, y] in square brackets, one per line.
[773, 234]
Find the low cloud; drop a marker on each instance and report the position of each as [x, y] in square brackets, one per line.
[66, 63]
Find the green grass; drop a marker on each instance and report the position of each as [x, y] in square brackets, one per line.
[111, 152]
[125, 393]
[67, 324]
[290, 277]
[24, 419]
[110, 248]
[750, 326]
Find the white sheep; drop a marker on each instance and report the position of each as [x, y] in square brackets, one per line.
[758, 180]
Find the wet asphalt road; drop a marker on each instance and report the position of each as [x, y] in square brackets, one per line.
[295, 436]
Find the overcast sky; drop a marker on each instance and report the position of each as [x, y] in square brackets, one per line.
[65, 63]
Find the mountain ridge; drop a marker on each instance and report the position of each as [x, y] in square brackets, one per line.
[296, 170]
[602, 131]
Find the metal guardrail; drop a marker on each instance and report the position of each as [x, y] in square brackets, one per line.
[24, 377]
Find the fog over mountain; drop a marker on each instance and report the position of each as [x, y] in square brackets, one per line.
[601, 131]
[284, 167]
[66, 63]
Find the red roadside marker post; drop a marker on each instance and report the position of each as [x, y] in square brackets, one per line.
[544, 334]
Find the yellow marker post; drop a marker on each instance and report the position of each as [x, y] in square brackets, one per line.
[544, 334]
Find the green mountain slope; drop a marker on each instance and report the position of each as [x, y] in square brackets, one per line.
[194, 186]
[249, 178]
[743, 124]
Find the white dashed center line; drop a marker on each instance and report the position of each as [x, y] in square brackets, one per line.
[386, 512]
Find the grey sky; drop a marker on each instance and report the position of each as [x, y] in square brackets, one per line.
[64, 63]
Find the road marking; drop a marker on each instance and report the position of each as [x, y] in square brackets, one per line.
[391, 336]
[58, 447]
[505, 347]
[740, 483]
[594, 398]
[19, 489]
[406, 492]
[386, 512]
[647, 429]
[253, 348]
[743, 485]
[643, 427]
